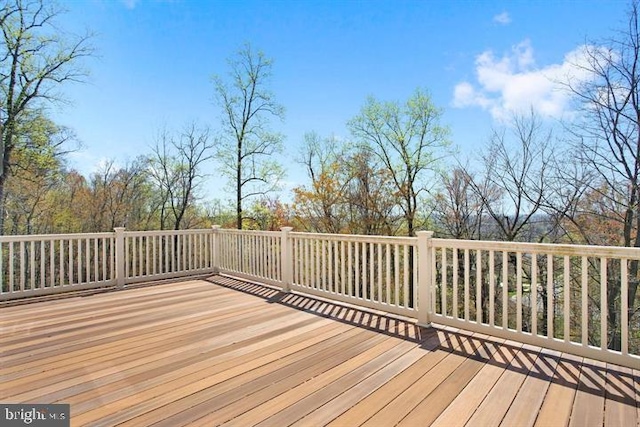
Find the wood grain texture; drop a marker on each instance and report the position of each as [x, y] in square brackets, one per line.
[222, 351]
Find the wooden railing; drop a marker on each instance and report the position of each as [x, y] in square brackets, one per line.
[48, 264]
[577, 299]
[568, 298]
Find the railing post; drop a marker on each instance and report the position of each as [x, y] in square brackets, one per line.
[120, 257]
[287, 259]
[215, 241]
[425, 284]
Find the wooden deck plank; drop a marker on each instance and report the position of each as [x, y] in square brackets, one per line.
[620, 398]
[465, 404]
[300, 408]
[407, 400]
[257, 408]
[427, 411]
[497, 402]
[558, 401]
[199, 404]
[588, 405]
[236, 353]
[525, 407]
[436, 349]
[137, 402]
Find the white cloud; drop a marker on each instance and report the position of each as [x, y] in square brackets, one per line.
[502, 18]
[129, 4]
[513, 83]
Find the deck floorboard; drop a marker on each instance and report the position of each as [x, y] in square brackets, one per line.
[223, 351]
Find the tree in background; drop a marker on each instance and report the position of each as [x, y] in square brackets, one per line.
[409, 141]
[176, 168]
[35, 59]
[248, 144]
[514, 182]
[608, 143]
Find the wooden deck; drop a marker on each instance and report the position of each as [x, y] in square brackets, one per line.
[226, 352]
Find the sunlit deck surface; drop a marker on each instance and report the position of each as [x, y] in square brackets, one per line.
[222, 351]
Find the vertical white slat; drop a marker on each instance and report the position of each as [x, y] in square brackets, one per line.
[533, 294]
[43, 268]
[567, 298]
[396, 297]
[380, 273]
[443, 282]
[11, 268]
[550, 297]
[315, 256]
[405, 269]
[266, 248]
[174, 253]
[365, 268]
[519, 292]
[371, 284]
[604, 336]
[32, 264]
[343, 268]
[416, 282]
[52, 260]
[492, 288]
[70, 266]
[387, 285]
[61, 260]
[505, 290]
[137, 255]
[584, 291]
[184, 246]
[23, 273]
[466, 285]
[323, 268]
[87, 259]
[432, 298]
[96, 259]
[624, 307]
[336, 267]
[479, 319]
[147, 254]
[154, 254]
[356, 269]
[455, 266]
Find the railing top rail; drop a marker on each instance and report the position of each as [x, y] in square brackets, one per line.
[248, 232]
[543, 248]
[168, 232]
[357, 238]
[50, 237]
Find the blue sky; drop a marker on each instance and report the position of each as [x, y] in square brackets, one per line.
[479, 60]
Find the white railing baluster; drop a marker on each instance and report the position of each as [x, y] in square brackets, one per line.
[604, 336]
[533, 294]
[550, 297]
[492, 288]
[466, 285]
[567, 298]
[479, 286]
[505, 290]
[443, 285]
[624, 307]
[584, 282]
[519, 291]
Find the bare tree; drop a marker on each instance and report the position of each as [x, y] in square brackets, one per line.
[35, 59]
[458, 211]
[249, 145]
[514, 184]
[176, 167]
[608, 142]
